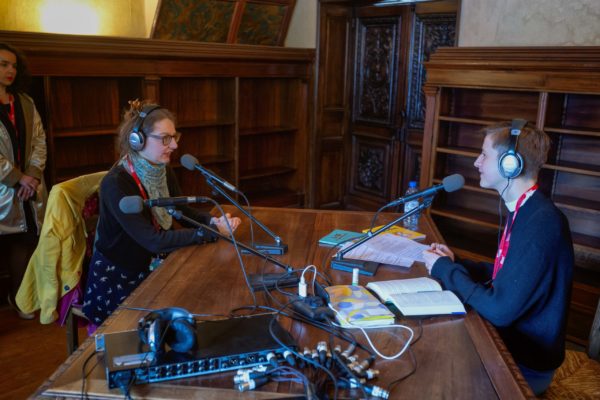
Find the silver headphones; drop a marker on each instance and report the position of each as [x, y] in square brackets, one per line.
[510, 163]
[137, 139]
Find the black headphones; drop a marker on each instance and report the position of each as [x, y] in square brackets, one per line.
[510, 163]
[173, 326]
[137, 139]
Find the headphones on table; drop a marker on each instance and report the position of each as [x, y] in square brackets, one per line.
[137, 139]
[510, 163]
[173, 326]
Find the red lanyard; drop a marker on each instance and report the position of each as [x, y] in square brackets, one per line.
[11, 115]
[504, 243]
[142, 190]
[13, 120]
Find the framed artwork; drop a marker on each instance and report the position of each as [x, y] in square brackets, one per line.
[257, 22]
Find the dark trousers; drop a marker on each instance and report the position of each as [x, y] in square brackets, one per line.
[16, 250]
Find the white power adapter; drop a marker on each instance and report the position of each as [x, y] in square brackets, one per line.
[302, 291]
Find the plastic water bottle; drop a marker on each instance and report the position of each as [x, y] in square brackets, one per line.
[411, 222]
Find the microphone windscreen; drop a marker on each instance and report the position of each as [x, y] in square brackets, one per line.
[453, 182]
[189, 161]
[131, 205]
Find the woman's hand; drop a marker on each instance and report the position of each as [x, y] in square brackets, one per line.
[28, 185]
[221, 223]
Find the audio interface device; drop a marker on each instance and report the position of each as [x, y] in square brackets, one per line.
[221, 346]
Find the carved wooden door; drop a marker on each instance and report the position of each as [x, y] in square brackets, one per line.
[380, 62]
[370, 104]
[386, 131]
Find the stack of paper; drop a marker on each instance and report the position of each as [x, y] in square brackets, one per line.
[388, 249]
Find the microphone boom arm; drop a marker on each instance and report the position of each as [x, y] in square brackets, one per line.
[178, 215]
[278, 248]
[369, 267]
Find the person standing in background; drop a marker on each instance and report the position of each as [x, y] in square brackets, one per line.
[22, 162]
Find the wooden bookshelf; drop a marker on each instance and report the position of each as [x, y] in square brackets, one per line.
[242, 109]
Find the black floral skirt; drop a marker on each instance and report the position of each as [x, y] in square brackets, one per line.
[107, 286]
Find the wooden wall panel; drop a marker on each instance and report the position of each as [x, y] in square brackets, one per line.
[376, 69]
[331, 120]
[331, 160]
[430, 31]
[371, 158]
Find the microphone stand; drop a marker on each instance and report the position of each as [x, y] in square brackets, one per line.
[370, 267]
[277, 248]
[270, 280]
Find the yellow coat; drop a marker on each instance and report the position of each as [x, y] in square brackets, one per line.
[55, 266]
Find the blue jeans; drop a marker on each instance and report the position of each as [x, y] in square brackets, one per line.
[537, 380]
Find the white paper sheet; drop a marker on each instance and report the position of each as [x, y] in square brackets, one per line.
[388, 249]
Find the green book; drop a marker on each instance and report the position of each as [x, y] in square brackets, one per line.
[339, 236]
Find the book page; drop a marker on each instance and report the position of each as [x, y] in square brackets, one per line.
[428, 303]
[385, 288]
[388, 249]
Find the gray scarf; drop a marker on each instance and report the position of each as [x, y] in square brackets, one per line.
[154, 180]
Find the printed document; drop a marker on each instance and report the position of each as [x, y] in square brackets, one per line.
[388, 249]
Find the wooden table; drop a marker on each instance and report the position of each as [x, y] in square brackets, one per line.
[458, 357]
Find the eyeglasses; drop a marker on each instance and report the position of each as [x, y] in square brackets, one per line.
[166, 139]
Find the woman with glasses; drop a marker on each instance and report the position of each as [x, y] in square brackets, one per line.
[130, 245]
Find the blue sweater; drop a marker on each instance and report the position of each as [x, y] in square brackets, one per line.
[530, 296]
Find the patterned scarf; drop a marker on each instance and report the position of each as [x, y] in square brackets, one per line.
[154, 180]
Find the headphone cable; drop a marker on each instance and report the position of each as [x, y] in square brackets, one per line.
[500, 215]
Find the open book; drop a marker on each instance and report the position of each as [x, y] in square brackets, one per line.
[418, 296]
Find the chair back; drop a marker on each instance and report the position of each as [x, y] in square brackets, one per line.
[594, 340]
[55, 268]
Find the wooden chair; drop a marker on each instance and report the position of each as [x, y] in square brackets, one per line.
[57, 268]
[75, 314]
[72, 324]
[579, 375]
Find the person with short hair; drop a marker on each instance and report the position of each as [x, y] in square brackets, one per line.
[129, 246]
[525, 293]
[22, 162]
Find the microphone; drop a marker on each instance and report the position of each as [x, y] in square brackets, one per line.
[131, 205]
[191, 163]
[175, 201]
[450, 184]
[135, 204]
